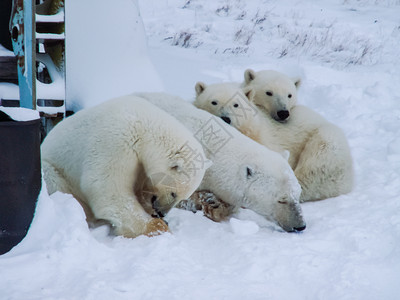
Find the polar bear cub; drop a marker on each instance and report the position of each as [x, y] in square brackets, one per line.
[243, 173]
[274, 92]
[319, 153]
[126, 161]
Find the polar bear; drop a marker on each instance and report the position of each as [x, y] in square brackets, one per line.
[243, 173]
[274, 92]
[126, 161]
[319, 153]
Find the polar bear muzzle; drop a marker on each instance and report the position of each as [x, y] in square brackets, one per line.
[289, 216]
[155, 203]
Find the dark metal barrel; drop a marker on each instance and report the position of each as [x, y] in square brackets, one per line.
[20, 178]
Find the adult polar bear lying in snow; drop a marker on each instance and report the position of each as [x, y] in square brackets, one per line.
[319, 153]
[243, 173]
[126, 161]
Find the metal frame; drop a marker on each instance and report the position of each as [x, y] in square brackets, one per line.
[40, 38]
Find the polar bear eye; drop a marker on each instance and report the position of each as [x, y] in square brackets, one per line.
[269, 93]
[214, 102]
[173, 195]
[290, 96]
[282, 202]
[235, 105]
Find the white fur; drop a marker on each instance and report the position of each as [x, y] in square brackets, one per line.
[243, 173]
[319, 152]
[109, 156]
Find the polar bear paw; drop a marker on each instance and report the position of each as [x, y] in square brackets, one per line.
[211, 206]
[156, 227]
[214, 208]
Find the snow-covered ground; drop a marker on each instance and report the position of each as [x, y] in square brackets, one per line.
[347, 53]
[7, 90]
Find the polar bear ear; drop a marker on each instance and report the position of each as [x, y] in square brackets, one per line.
[249, 92]
[285, 154]
[249, 75]
[297, 82]
[200, 87]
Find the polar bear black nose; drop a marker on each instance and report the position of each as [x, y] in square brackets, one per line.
[226, 119]
[299, 228]
[283, 114]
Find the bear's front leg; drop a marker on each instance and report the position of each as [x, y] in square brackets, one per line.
[126, 216]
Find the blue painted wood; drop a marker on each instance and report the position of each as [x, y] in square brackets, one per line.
[24, 44]
[28, 88]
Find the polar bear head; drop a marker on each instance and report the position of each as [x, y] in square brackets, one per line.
[172, 167]
[168, 183]
[266, 184]
[227, 101]
[275, 93]
[249, 175]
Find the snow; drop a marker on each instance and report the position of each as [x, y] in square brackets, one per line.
[243, 227]
[20, 113]
[8, 91]
[56, 18]
[50, 36]
[5, 51]
[351, 247]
